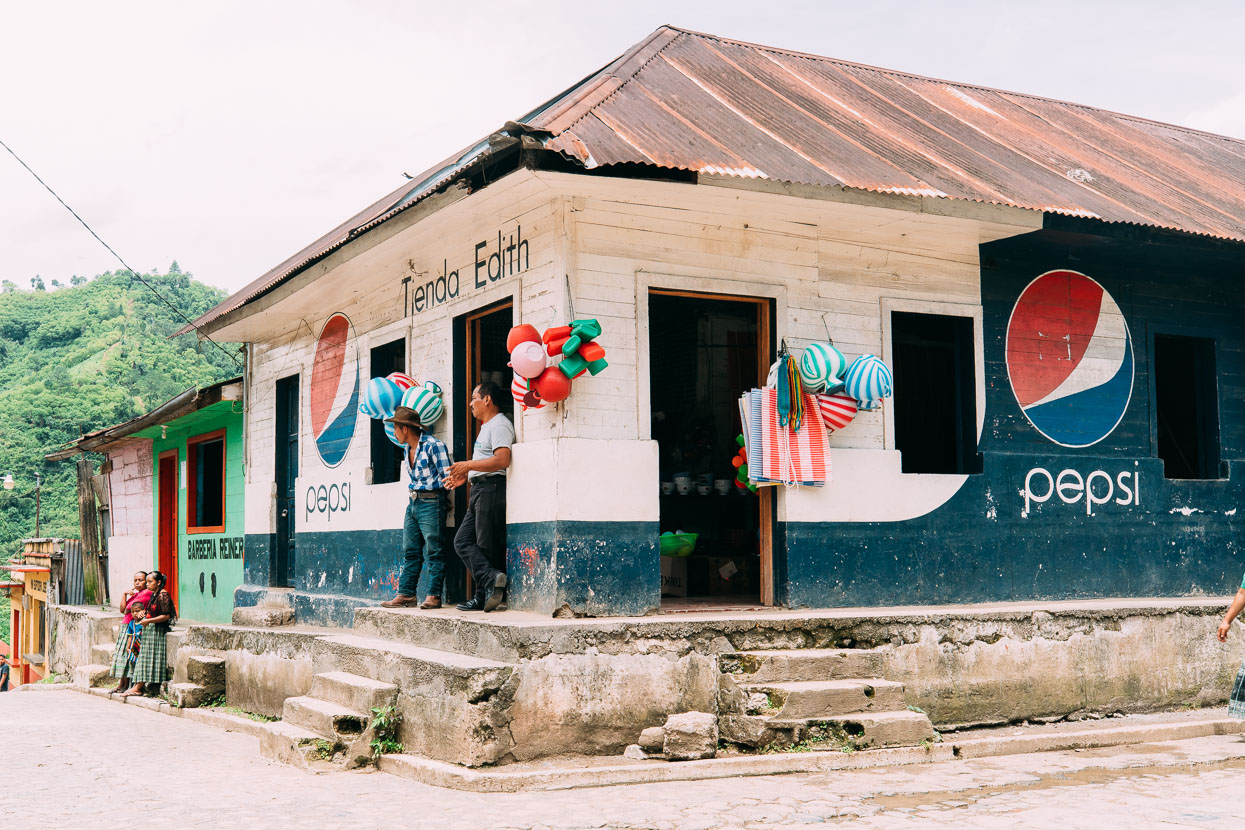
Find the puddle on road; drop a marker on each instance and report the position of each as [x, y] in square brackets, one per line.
[1072, 778]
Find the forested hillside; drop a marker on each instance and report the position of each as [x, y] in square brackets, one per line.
[81, 357]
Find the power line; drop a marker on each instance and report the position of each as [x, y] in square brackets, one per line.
[134, 273]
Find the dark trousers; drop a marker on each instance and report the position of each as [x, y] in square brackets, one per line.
[481, 538]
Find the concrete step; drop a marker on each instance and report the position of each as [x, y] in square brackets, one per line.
[91, 675]
[102, 654]
[802, 664]
[408, 666]
[360, 694]
[328, 720]
[302, 748]
[486, 635]
[190, 695]
[862, 730]
[824, 698]
[206, 671]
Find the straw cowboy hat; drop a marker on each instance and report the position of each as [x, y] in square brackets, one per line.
[405, 416]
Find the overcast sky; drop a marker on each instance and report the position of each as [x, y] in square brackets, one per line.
[227, 135]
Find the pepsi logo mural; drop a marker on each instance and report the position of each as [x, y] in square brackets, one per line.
[1069, 358]
[334, 397]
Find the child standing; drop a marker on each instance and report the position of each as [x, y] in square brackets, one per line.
[1236, 703]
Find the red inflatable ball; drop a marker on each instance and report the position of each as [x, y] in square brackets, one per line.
[552, 385]
[522, 333]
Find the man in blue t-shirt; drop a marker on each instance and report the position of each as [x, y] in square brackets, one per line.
[427, 463]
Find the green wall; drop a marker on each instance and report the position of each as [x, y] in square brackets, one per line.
[204, 557]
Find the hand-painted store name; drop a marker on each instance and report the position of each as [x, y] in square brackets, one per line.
[334, 498]
[511, 256]
[226, 547]
[1070, 486]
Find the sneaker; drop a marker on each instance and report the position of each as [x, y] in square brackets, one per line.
[498, 594]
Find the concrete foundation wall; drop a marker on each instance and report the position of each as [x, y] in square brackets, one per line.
[75, 630]
[262, 666]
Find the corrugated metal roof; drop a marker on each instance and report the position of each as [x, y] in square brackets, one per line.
[692, 101]
[698, 102]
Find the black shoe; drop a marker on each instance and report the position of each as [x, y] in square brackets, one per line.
[497, 595]
[476, 603]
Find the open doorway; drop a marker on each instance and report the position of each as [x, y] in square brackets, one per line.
[704, 352]
[479, 355]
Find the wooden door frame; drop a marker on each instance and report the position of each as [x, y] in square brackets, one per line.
[765, 312]
[175, 455]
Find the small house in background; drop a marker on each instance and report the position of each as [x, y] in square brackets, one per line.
[172, 497]
[46, 571]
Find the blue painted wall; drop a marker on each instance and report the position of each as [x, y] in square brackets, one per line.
[595, 568]
[1182, 538]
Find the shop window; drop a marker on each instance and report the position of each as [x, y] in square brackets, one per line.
[1186, 406]
[386, 456]
[935, 393]
[205, 489]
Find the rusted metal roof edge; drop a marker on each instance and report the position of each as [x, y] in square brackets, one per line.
[981, 87]
[424, 187]
[1044, 211]
[192, 400]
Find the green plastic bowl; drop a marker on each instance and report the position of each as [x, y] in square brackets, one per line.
[678, 544]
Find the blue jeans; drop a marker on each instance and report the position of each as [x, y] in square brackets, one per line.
[421, 541]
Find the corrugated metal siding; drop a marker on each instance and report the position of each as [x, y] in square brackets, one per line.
[73, 591]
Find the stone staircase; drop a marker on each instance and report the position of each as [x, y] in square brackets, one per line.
[789, 697]
[330, 726]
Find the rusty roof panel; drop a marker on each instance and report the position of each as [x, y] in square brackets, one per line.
[691, 101]
[821, 120]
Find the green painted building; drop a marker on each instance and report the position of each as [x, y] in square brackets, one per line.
[174, 497]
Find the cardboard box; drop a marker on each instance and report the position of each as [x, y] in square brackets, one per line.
[673, 576]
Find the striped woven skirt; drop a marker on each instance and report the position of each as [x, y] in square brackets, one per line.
[153, 656]
[121, 655]
[1236, 703]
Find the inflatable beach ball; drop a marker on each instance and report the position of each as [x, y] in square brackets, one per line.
[426, 403]
[523, 394]
[821, 367]
[379, 398]
[837, 410]
[403, 381]
[868, 380]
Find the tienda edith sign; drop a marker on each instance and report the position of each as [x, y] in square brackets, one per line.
[495, 260]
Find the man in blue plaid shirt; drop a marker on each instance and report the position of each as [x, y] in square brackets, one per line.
[427, 462]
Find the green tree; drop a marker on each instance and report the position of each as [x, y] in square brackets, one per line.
[88, 356]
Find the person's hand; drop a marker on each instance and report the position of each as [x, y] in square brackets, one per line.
[1223, 630]
[458, 472]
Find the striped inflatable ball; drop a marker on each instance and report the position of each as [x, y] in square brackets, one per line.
[868, 380]
[390, 434]
[403, 381]
[821, 367]
[521, 391]
[837, 410]
[379, 398]
[426, 403]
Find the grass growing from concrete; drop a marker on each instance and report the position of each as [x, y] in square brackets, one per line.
[219, 705]
[385, 723]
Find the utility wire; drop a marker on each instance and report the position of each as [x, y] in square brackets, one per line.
[134, 273]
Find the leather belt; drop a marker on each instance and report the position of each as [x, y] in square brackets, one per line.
[426, 494]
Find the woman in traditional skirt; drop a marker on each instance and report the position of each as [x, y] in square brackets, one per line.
[152, 667]
[122, 655]
[1236, 703]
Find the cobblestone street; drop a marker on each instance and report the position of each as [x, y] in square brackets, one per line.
[74, 761]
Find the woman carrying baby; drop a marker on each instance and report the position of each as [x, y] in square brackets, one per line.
[127, 639]
[152, 666]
